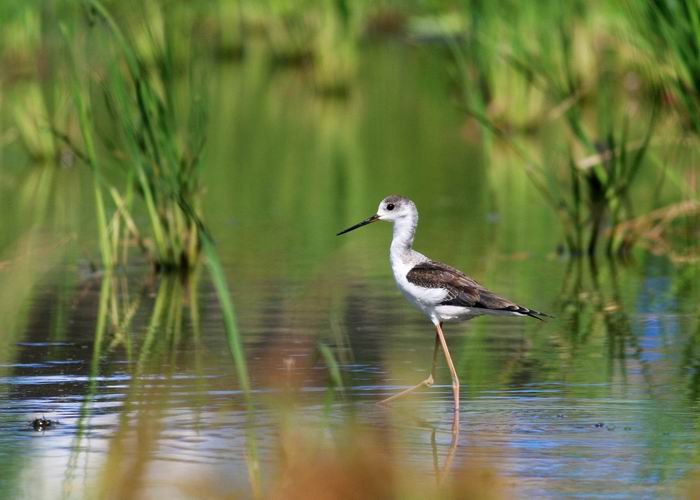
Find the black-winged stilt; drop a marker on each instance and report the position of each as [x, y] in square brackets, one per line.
[443, 293]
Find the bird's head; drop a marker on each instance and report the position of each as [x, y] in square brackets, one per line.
[392, 208]
[396, 207]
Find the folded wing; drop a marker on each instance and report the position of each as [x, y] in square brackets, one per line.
[462, 290]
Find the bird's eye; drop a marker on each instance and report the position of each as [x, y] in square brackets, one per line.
[390, 206]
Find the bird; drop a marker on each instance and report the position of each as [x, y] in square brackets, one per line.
[444, 294]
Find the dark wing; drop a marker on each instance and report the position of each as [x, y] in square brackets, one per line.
[462, 290]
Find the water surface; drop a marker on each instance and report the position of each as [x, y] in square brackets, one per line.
[135, 368]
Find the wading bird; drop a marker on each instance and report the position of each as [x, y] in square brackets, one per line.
[443, 293]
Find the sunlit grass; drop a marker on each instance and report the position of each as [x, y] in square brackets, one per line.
[572, 65]
[590, 168]
[559, 89]
[138, 145]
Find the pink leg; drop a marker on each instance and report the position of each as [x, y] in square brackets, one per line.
[425, 383]
[453, 372]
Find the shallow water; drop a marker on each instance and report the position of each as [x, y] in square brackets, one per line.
[599, 401]
[606, 409]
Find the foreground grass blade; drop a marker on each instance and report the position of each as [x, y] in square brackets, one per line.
[332, 364]
[90, 152]
[232, 334]
[235, 345]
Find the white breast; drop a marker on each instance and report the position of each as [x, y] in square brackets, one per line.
[424, 298]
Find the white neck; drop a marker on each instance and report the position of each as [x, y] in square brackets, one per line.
[404, 232]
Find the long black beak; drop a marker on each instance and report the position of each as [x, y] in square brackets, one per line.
[369, 220]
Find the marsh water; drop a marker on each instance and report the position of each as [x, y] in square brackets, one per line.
[135, 372]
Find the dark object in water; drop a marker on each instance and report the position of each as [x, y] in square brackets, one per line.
[42, 424]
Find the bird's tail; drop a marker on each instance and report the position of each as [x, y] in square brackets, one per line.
[537, 314]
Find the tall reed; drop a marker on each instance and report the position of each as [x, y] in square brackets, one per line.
[155, 146]
[668, 32]
[83, 109]
[599, 159]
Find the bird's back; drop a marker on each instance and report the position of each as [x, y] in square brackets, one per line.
[463, 291]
